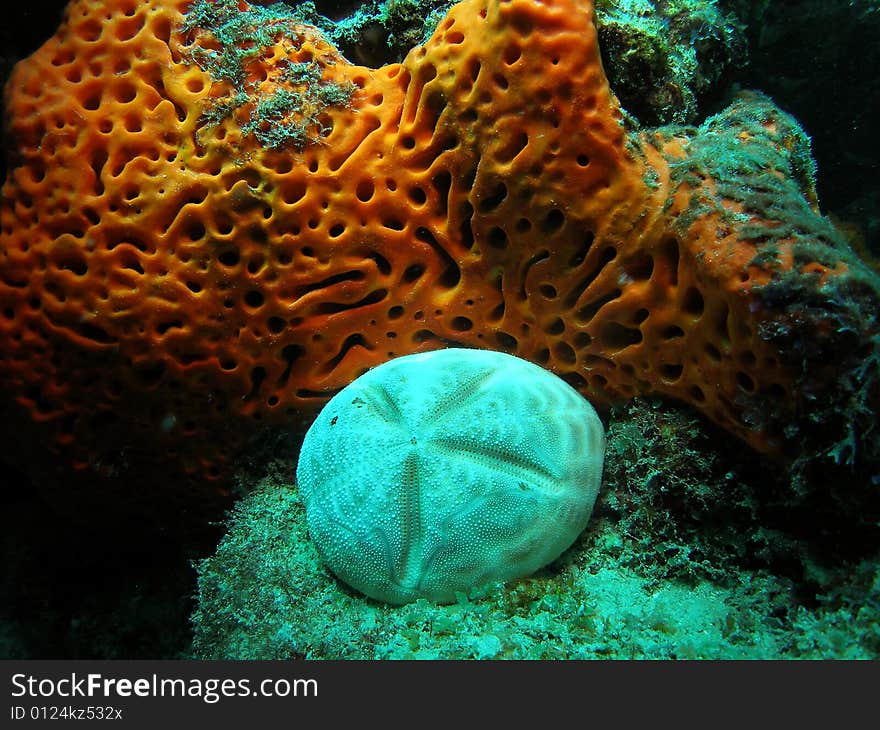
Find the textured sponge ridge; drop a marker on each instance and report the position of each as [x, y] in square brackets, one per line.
[214, 222]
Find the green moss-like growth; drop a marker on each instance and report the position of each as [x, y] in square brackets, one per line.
[833, 89]
[265, 595]
[379, 31]
[682, 560]
[756, 155]
[287, 113]
[761, 187]
[670, 494]
[663, 57]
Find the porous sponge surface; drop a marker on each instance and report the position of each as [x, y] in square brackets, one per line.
[440, 472]
[214, 222]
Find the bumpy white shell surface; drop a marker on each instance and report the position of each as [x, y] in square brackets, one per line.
[436, 473]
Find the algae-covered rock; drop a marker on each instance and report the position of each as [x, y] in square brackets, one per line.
[691, 554]
[664, 57]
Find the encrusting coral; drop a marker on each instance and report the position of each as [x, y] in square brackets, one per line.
[213, 221]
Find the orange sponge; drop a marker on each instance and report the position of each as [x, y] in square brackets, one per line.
[213, 221]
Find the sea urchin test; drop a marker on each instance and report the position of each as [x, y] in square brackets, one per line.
[439, 472]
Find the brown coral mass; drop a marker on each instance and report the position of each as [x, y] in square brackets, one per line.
[166, 279]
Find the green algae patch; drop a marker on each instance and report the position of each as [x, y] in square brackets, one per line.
[283, 114]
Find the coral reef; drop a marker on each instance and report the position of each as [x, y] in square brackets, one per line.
[212, 224]
[440, 472]
[682, 560]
